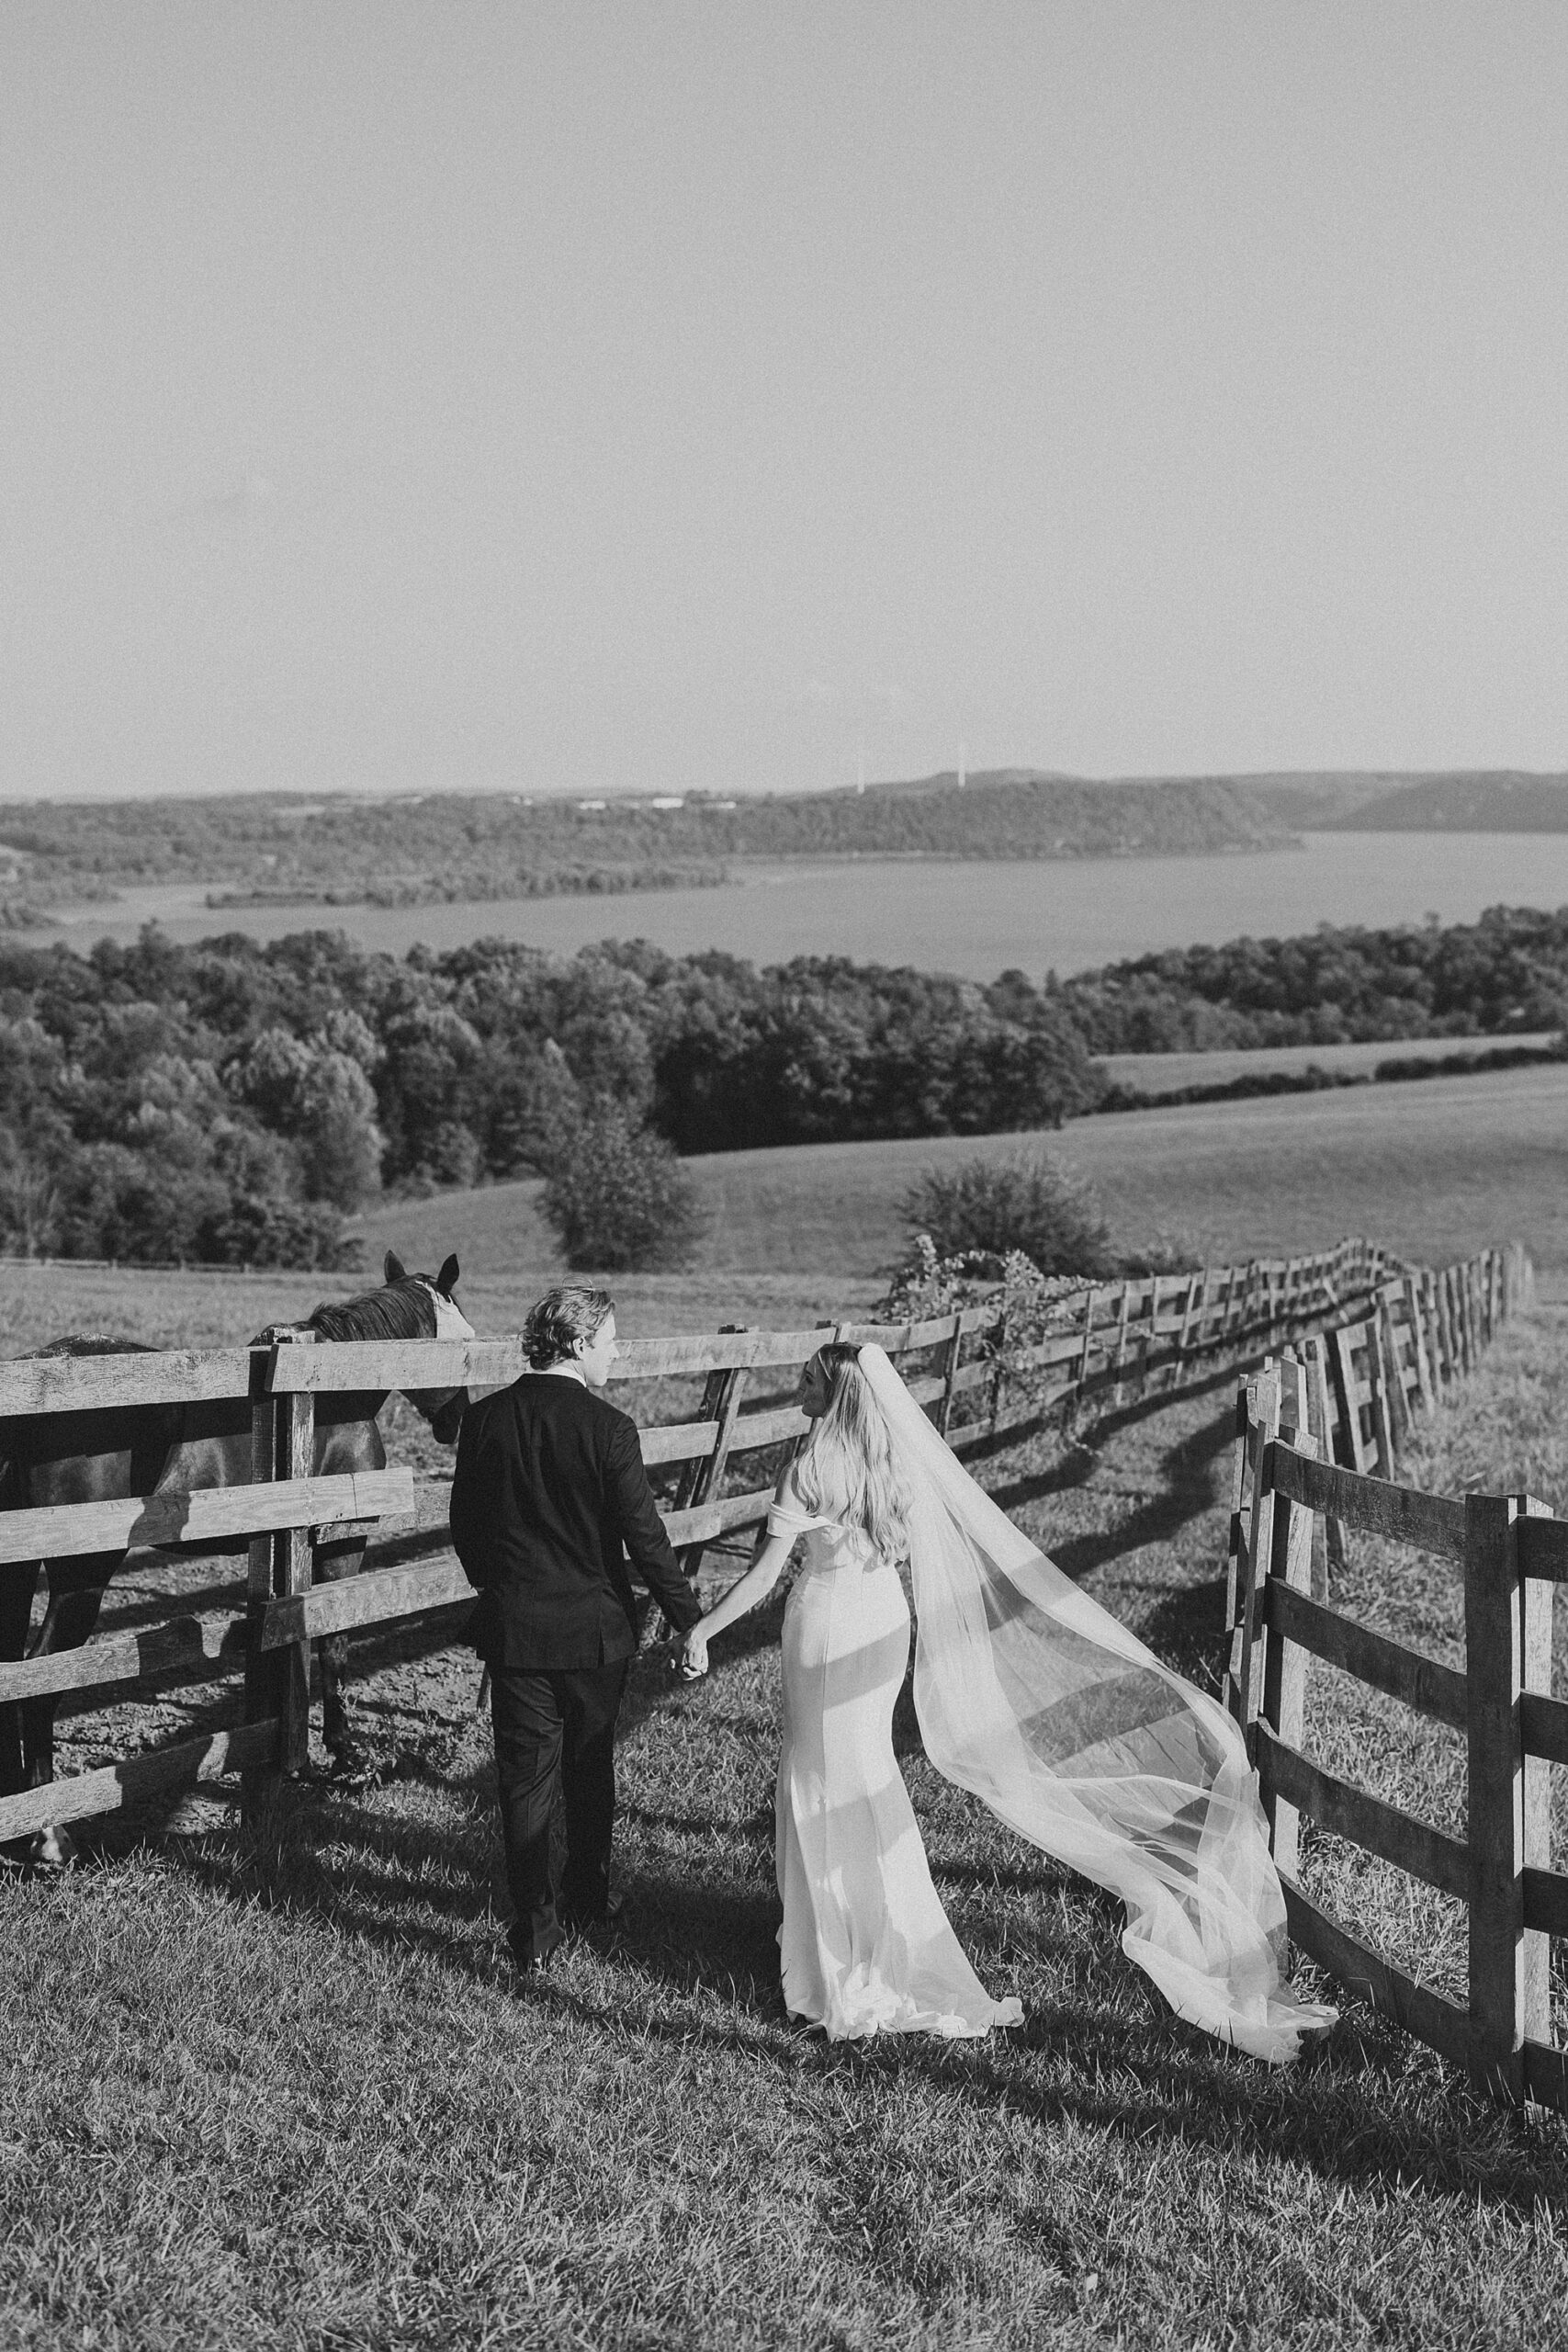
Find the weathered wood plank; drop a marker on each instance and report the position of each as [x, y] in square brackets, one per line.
[1384, 1829]
[82, 1383]
[1546, 2075]
[1387, 1666]
[1546, 1900]
[677, 1441]
[775, 1426]
[1431, 1523]
[1544, 1725]
[375, 1597]
[1441, 2023]
[351, 1365]
[181, 1649]
[203, 1515]
[1544, 1549]
[709, 1520]
[163, 1772]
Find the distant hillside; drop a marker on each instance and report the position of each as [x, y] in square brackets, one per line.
[1506, 802]
[1462, 800]
[465, 846]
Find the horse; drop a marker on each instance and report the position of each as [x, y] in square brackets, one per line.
[111, 1453]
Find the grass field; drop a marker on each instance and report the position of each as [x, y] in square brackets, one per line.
[1436, 1169]
[40, 1302]
[286, 2094]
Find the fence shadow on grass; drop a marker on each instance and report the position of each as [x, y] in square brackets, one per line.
[1370, 2108]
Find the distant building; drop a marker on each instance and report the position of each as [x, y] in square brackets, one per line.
[668, 800]
[593, 804]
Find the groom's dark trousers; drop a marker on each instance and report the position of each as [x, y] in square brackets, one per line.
[550, 1503]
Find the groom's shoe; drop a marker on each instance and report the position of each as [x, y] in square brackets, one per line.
[598, 1927]
[532, 1961]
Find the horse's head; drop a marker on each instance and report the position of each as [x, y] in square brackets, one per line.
[450, 1322]
[408, 1306]
[442, 1408]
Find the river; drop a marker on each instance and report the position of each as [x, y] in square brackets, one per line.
[942, 915]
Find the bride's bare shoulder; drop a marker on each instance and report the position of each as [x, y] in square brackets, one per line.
[786, 1492]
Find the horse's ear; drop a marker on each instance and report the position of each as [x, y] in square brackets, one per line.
[393, 1267]
[446, 1280]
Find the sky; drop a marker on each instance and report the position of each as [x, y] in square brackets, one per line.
[619, 394]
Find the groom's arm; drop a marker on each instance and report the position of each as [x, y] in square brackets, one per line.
[472, 1506]
[642, 1530]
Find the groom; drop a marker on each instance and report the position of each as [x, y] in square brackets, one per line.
[549, 1496]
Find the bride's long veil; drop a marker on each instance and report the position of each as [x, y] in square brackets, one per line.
[1032, 1696]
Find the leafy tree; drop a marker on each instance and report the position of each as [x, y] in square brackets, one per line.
[619, 1199]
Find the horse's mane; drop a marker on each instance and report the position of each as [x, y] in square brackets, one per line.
[401, 1310]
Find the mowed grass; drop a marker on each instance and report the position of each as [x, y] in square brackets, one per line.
[1436, 1169]
[281, 2090]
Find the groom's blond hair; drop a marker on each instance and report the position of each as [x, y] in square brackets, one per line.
[560, 1318]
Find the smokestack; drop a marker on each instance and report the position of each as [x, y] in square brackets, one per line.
[962, 770]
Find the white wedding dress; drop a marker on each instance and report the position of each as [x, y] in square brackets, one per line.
[1058, 1719]
[865, 1943]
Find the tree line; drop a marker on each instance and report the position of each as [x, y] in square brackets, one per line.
[441, 846]
[235, 1102]
[1506, 973]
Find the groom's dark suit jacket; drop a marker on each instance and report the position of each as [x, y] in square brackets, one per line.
[549, 1498]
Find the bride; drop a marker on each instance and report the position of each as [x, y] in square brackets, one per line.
[1029, 1695]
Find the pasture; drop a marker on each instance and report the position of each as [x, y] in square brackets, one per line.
[1436, 1169]
[286, 2093]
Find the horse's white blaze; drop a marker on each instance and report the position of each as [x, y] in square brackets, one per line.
[451, 1323]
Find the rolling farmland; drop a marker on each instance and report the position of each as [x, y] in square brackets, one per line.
[1435, 1170]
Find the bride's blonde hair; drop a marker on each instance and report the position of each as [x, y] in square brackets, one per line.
[847, 1471]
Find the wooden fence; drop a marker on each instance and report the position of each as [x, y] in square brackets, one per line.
[1510, 1552]
[717, 1467]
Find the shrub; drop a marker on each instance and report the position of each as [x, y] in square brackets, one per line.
[619, 1198]
[1028, 1203]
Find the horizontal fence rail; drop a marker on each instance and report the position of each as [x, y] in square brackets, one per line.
[1509, 1553]
[1102, 1343]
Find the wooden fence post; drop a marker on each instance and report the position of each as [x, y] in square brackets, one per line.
[1410, 1299]
[260, 1782]
[700, 1480]
[1122, 1341]
[1089, 1297]
[1378, 1378]
[1328, 1534]
[951, 1350]
[1291, 1545]
[1341, 1356]
[1249, 1543]
[1509, 1991]
[292, 1574]
[1396, 1404]
[1453, 1345]
[1197, 1289]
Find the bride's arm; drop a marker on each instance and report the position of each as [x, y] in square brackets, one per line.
[774, 1548]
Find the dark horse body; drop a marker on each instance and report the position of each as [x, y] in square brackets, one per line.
[110, 1454]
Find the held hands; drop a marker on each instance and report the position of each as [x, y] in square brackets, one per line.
[690, 1659]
